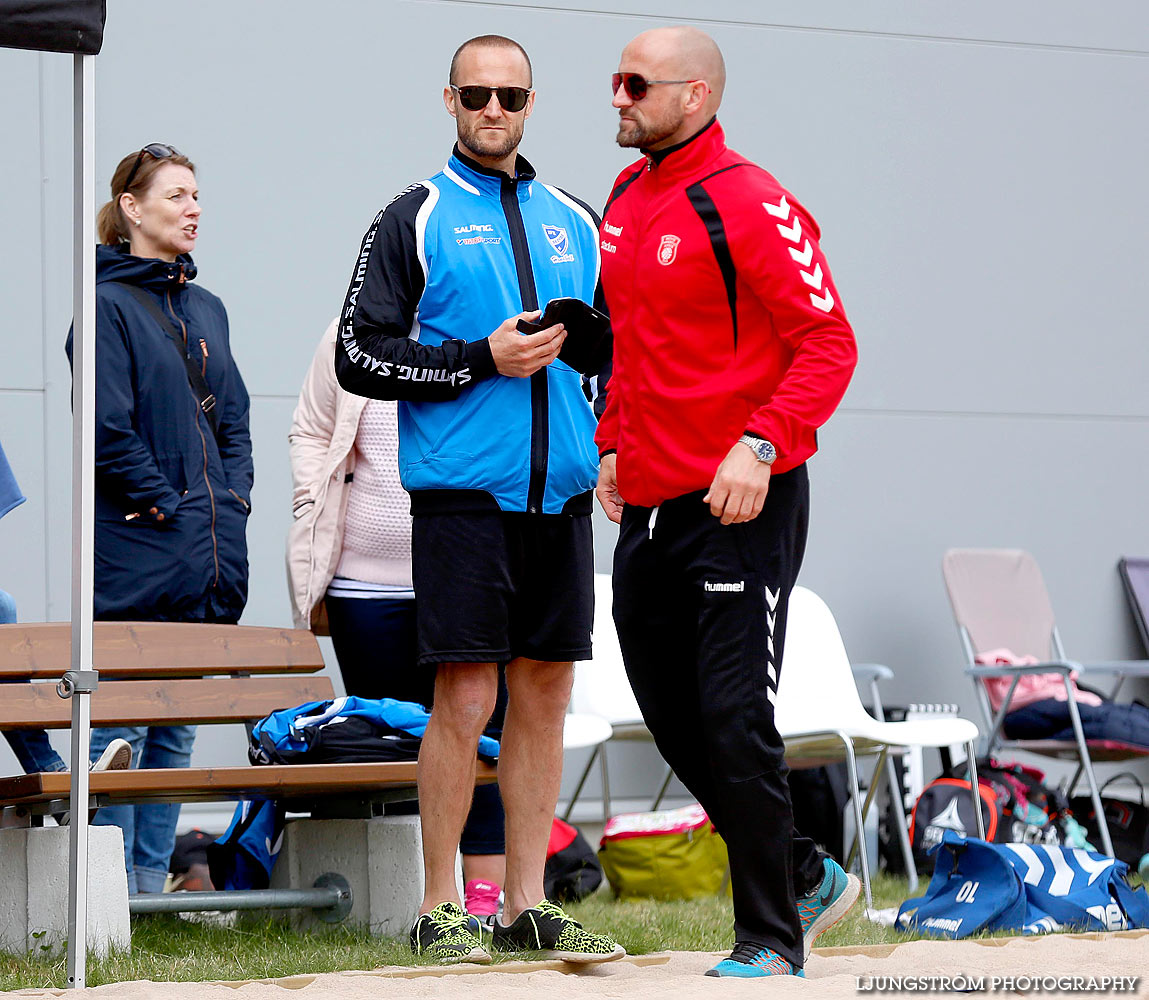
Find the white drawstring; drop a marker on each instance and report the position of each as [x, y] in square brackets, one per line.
[650, 524]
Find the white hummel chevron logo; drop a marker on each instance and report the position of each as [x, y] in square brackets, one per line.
[770, 645]
[823, 302]
[1088, 864]
[772, 673]
[794, 233]
[779, 211]
[770, 619]
[771, 695]
[813, 278]
[772, 599]
[804, 256]
[948, 818]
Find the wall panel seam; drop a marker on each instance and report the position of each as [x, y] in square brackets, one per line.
[807, 29]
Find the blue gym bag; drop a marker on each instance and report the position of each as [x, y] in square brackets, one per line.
[1028, 888]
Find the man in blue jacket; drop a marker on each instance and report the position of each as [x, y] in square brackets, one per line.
[496, 449]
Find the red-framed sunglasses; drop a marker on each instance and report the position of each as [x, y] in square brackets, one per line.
[636, 85]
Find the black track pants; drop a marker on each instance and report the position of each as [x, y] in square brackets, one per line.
[701, 614]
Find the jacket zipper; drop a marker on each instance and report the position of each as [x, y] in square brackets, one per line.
[203, 443]
[540, 396]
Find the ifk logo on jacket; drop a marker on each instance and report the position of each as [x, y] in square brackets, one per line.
[557, 238]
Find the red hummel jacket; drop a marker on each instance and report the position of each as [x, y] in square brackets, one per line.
[725, 319]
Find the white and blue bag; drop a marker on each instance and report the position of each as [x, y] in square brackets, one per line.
[1028, 888]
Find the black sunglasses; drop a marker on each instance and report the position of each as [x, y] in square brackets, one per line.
[477, 98]
[157, 150]
[635, 84]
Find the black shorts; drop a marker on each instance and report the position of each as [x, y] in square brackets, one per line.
[493, 586]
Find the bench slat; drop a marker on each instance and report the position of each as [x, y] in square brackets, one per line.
[215, 784]
[159, 702]
[42, 650]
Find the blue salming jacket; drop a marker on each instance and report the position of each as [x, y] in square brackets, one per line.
[439, 270]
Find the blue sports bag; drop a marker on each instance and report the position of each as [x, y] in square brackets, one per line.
[1028, 888]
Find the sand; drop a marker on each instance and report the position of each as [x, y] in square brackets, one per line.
[1039, 966]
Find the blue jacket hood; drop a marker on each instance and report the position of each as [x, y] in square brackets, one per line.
[119, 264]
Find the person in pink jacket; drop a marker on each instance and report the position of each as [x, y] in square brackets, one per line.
[349, 575]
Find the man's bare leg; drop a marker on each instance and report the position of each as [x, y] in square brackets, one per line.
[464, 701]
[530, 771]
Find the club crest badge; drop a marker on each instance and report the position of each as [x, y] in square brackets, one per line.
[668, 249]
[557, 237]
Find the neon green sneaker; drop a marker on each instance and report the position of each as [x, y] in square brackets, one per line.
[445, 934]
[548, 929]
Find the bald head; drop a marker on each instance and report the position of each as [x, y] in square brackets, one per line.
[684, 53]
[685, 76]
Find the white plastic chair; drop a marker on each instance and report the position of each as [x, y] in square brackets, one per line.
[821, 718]
[582, 731]
[601, 689]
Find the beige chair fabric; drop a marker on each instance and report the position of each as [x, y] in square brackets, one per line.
[999, 597]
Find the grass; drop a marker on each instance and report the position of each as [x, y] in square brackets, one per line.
[166, 948]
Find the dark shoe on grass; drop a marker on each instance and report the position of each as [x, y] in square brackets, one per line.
[548, 929]
[444, 934]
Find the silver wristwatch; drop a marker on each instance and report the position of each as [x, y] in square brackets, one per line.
[763, 449]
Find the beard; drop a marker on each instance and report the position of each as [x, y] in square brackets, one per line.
[644, 135]
[480, 144]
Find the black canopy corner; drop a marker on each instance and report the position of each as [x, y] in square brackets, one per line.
[75, 26]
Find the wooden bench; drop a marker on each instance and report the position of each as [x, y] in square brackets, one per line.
[167, 673]
[162, 673]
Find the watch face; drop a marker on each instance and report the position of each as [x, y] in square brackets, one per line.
[763, 449]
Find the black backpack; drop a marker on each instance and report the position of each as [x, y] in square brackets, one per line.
[1128, 822]
[572, 870]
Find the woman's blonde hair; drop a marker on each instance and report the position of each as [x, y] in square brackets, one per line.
[111, 226]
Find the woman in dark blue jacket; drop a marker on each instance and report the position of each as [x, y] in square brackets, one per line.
[173, 453]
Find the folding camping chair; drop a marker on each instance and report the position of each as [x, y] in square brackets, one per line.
[1135, 576]
[999, 601]
[821, 718]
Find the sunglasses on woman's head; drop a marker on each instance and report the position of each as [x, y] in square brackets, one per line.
[158, 151]
[635, 84]
[477, 98]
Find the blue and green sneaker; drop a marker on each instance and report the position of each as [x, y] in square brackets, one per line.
[753, 961]
[827, 903]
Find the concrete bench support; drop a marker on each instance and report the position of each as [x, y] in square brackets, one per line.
[381, 858]
[34, 901]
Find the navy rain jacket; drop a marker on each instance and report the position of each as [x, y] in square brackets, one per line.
[155, 448]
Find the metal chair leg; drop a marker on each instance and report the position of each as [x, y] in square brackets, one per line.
[1094, 792]
[1074, 780]
[971, 764]
[581, 781]
[662, 789]
[859, 819]
[899, 811]
[605, 786]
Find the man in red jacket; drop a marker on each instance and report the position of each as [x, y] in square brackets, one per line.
[731, 348]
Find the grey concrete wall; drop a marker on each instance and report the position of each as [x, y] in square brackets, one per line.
[977, 172]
